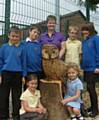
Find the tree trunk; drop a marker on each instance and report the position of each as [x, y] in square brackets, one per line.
[51, 93]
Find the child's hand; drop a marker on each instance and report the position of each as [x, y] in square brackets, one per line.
[44, 110]
[39, 110]
[63, 101]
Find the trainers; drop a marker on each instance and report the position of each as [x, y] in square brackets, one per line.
[80, 118]
[89, 109]
[93, 115]
[73, 118]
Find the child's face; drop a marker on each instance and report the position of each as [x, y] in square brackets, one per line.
[73, 34]
[34, 34]
[14, 37]
[72, 74]
[85, 34]
[32, 85]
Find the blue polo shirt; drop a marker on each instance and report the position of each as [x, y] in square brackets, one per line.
[13, 58]
[33, 56]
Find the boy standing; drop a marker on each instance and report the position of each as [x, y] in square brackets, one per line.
[33, 52]
[12, 67]
[73, 46]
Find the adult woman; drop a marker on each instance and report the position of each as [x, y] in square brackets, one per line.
[53, 37]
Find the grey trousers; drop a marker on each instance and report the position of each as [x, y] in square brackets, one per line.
[32, 116]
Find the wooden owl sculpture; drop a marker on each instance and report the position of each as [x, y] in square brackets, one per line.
[54, 68]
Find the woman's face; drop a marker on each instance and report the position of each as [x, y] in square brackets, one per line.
[51, 25]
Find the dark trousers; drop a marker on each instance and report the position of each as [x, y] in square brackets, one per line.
[32, 116]
[11, 81]
[91, 78]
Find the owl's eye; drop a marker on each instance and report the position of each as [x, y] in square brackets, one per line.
[54, 52]
[46, 51]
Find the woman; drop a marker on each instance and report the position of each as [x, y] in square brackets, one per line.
[53, 37]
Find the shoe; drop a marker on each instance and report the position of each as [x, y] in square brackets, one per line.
[80, 118]
[89, 109]
[73, 118]
[93, 115]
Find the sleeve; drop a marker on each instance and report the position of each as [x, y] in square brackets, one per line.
[62, 37]
[79, 86]
[39, 94]
[23, 97]
[96, 41]
[1, 58]
[24, 62]
[80, 47]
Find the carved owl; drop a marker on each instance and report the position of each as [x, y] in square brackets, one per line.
[54, 68]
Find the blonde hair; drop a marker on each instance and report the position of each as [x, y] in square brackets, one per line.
[75, 28]
[75, 67]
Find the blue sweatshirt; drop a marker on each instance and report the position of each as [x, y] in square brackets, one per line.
[13, 58]
[90, 56]
[34, 56]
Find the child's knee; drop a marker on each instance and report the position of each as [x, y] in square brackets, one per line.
[75, 110]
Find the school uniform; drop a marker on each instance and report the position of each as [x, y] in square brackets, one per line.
[72, 87]
[33, 101]
[12, 68]
[34, 56]
[90, 62]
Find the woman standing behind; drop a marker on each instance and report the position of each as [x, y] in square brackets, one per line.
[90, 63]
[53, 37]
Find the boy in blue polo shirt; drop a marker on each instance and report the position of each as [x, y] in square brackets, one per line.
[12, 67]
[33, 52]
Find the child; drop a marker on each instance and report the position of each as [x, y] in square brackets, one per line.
[90, 64]
[74, 86]
[12, 68]
[73, 46]
[33, 52]
[31, 107]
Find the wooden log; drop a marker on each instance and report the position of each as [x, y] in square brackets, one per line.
[51, 98]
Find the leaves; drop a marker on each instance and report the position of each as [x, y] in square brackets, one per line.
[92, 4]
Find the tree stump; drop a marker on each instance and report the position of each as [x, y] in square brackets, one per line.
[51, 93]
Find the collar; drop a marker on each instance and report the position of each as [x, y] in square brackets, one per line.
[46, 33]
[71, 41]
[30, 94]
[73, 81]
[17, 44]
[29, 40]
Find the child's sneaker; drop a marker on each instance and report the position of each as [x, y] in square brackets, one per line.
[73, 118]
[80, 118]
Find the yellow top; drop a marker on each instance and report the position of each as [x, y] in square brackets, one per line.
[32, 100]
[73, 51]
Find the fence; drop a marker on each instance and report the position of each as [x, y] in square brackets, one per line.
[23, 13]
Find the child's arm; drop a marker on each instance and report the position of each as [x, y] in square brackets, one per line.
[30, 109]
[62, 51]
[42, 107]
[70, 99]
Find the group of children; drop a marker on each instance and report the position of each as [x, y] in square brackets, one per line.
[23, 60]
[18, 60]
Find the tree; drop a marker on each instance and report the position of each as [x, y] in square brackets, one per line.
[90, 5]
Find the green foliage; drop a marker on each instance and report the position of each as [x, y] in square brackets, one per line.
[92, 4]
